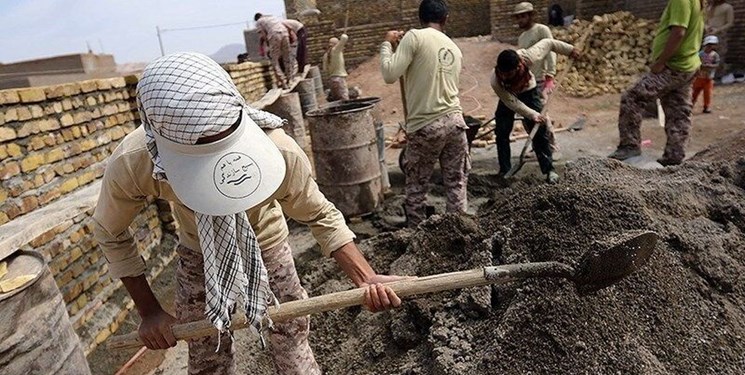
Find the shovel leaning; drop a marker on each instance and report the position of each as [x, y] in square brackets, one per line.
[596, 270]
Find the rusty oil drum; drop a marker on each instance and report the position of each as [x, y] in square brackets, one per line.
[345, 154]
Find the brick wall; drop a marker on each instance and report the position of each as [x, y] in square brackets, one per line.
[54, 142]
[368, 22]
[253, 79]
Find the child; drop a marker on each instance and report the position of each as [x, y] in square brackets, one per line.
[705, 78]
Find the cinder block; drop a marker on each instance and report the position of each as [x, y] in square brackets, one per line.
[31, 162]
[117, 82]
[88, 86]
[103, 84]
[9, 169]
[9, 96]
[28, 128]
[7, 134]
[14, 150]
[32, 95]
[54, 155]
[24, 113]
[36, 111]
[49, 125]
[69, 185]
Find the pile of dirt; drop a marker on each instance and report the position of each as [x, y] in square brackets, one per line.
[730, 148]
[615, 52]
[682, 313]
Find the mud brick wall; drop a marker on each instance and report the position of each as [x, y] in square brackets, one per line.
[368, 22]
[253, 79]
[54, 142]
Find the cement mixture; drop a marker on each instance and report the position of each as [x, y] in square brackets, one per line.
[683, 313]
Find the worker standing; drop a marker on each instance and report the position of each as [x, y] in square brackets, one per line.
[720, 18]
[333, 66]
[278, 38]
[298, 41]
[704, 81]
[517, 90]
[430, 63]
[544, 71]
[675, 54]
[229, 172]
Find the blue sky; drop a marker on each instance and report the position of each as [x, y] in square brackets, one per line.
[126, 28]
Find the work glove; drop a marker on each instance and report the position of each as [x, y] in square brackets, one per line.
[548, 85]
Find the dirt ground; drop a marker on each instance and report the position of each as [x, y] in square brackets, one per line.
[683, 313]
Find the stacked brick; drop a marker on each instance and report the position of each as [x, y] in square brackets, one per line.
[652, 9]
[53, 140]
[253, 79]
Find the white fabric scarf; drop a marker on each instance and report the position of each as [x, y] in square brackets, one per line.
[233, 266]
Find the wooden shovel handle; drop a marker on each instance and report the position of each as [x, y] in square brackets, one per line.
[355, 297]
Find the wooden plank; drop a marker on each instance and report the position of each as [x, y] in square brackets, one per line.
[24, 229]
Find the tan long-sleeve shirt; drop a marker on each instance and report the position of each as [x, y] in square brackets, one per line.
[547, 66]
[128, 181]
[530, 55]
[333, 60]
[430, 63]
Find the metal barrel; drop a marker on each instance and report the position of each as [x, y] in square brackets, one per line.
[36, 336]
[379, 131]
[345, 154]
[288, 107]
[315, 74]
[306, 91]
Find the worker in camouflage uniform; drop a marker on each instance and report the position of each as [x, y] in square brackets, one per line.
[675, 54]
[230, 172]
[277, 36]
[430, 63]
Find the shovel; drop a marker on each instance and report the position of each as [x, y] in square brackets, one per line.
[596, 270]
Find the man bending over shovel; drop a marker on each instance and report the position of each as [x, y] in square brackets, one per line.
[516, 87]
[229, 172]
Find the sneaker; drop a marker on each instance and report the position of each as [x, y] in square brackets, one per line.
[623, 153]
[552, 178]
[707, 110]
[666, 162]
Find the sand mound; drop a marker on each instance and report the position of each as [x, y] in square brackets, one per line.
[683, 313]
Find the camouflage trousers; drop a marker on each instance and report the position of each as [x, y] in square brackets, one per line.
[443, 140]
[338, 88]
[282, 56]
[288, 341]
[674, 91]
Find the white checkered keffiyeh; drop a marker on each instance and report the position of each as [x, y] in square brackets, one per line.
[183, 97]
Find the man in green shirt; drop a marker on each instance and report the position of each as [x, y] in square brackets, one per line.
[430, 63]
[675, 55]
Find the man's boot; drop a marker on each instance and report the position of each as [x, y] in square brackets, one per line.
[623, 153]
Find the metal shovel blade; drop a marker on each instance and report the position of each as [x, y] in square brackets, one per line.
[605, 266]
